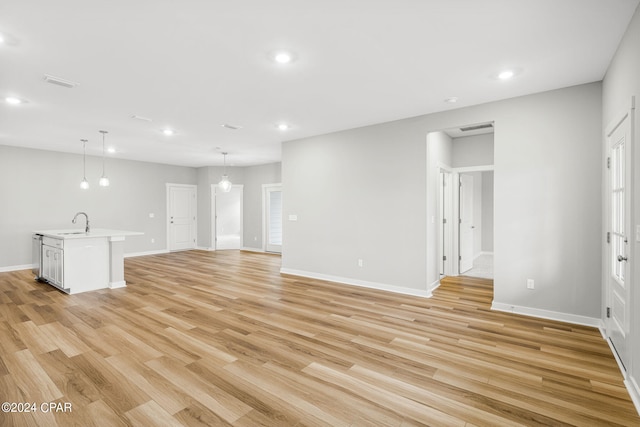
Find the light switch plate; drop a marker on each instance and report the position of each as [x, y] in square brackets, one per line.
[293, 217]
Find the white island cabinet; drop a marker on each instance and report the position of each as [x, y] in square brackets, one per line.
[75, 261]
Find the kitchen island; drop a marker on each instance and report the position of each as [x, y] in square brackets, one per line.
[77, 261]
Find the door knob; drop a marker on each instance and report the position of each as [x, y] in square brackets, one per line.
[621, 258]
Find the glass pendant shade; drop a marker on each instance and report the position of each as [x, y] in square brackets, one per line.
[104, 181]
[225, 184]
[84, 184]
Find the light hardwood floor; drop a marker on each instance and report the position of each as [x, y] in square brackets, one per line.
[221, 338]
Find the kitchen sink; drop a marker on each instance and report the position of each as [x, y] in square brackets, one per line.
[72, 232]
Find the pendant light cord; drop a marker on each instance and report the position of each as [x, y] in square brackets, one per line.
[84, 158]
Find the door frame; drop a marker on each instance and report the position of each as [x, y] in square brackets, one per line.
[266, 188]
[444, 209]
[628, 112]
[168, 187]
[214, 232]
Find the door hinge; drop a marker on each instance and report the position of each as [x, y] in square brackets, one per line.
[608, 237]
[444, 220]
[608, 312]
[459, 220]
[444, 258]
[459, 257]
[608, 162]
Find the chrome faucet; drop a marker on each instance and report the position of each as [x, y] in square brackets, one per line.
[86, 229]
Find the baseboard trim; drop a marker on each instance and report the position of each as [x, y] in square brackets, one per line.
[629, 382]
[15, 268]
[547, 314]
[634, 392]
[119, 284]
[435, 285]
[249, 249]
[355, 282]
[136, 254]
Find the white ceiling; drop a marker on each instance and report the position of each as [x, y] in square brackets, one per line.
[194, 65]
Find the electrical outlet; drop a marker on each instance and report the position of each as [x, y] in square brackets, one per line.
[530, 284]
[360, 263]
[153, 240]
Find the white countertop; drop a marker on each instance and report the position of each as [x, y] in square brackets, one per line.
[78, 233]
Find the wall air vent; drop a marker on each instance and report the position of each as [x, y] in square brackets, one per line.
[476, 127]
[232, 127]
[60, 82]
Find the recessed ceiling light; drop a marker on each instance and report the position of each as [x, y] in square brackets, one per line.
[168, 131]
[451, 100]
[13, 100]
[283, 126]
[283, 56]
[506, 74]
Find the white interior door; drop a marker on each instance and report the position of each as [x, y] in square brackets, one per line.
[273, 218]
[466, 223]
[228, 218]
[181, 209]
[618, 316]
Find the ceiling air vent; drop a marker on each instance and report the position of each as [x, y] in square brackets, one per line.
[144, 119]
[232, 127]
[476, 127]
[60, 82]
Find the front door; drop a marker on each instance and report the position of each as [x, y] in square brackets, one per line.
[466, 223]
[181, 207]
[618, 316]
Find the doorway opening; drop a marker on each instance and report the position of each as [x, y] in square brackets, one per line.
[475, 224]
[460, 202]
[227, 218]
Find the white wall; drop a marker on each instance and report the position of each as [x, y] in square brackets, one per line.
[622, 81]
[487, 211]
[439, 155]
[475, 150]
[41, 190]
[363, 193]
[358, 194]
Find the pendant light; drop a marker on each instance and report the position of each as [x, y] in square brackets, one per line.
[84, 184]
[225, 184]
[104, 181]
